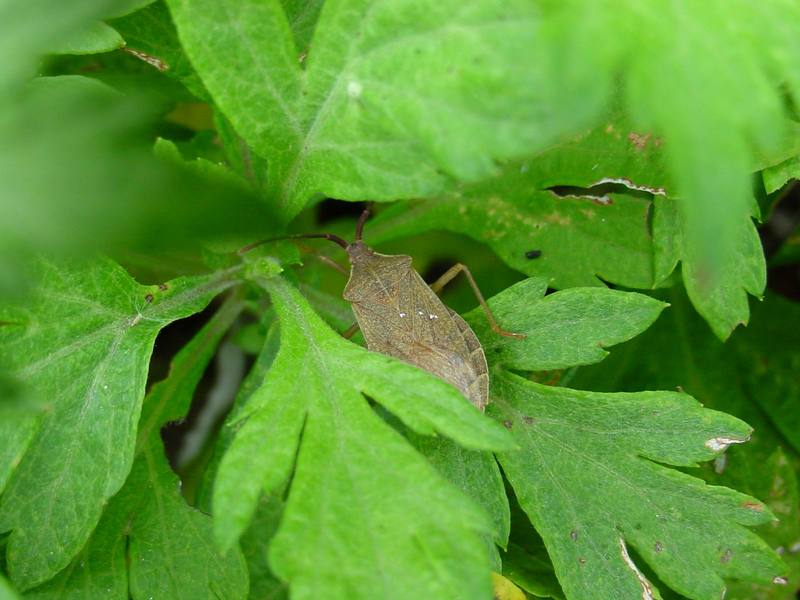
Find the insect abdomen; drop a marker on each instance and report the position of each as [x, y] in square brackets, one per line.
[414, 326]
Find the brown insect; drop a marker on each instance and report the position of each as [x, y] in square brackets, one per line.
[402, 316]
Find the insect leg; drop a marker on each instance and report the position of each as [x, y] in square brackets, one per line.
[450, 274]
[331, 263]
[350, 331]
[326, 260]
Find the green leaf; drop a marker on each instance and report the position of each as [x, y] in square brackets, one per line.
[15, 436]
[610, 179]
[19, 420]
[82, 341]
[170, 548]
[302, 16]
[679, 351]
[531, 572]
[57, 199]
[100, 570]
[6, 592]
[769, 350]
[581, 242]
[563, 329]
[124, 7]
[673, 61]
[252, 382]
[93, 38]
[24, 34]
[774, 479]
[777, 176]
[477, 475]
[368, 530]
[394, 100]
[720, 298]
[589, 479]
[255, 546]
[150, 36]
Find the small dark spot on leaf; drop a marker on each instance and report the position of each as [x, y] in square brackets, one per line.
[658, 546]
[498, 350]
[528, 420]
[508, 424]
[163, 287]
[726, 556]
[148, 298]
[581, 561]
[573, 535]
[533, 254]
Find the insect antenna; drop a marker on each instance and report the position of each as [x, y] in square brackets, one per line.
[299, 236]
[361, 220]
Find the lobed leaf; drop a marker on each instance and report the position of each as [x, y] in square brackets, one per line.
[394, 99]
[677, 85]
[722, 298]
[732, 377]
[589, 479]
[569, 241]
[149, 540]
[564, 329]
[579, 214]
[82, 342]
[369, 530]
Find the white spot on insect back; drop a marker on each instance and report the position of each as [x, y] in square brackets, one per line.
[420, 313]
[432, 317]
[354, 89]
[402, 314]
